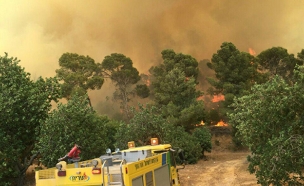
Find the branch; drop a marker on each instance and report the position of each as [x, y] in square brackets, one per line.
[30, 162]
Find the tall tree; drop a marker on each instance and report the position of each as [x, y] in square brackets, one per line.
[174, 89]
[79, 74]
[120, 70]
[74, 122]
[270, 122]
[24, 105]
[186, 63]
[277, 61]
[235, 73]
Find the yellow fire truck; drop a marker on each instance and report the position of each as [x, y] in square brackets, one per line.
[151, 165]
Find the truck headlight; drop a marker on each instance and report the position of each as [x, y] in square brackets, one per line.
[58, 166]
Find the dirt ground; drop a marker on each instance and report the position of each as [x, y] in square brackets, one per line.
[223, 167]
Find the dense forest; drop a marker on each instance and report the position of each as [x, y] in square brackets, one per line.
[259, 96]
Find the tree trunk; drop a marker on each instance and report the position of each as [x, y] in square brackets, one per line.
[90, 102]
[22, 169]
[20, 179]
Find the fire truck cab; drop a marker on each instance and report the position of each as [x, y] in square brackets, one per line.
[151, 165]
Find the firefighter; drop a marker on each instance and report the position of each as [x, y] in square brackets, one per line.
[73, 155]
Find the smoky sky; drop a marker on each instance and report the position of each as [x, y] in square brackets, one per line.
[39, 32]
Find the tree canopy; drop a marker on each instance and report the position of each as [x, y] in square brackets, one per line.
[235, 72]
[24, 105]
[270, 122]
[120, 70]
[78, 73]
[74, 122]
[174, 89]
[277, 61]
[185, 63]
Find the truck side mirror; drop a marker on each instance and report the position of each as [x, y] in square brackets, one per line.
[181, 155]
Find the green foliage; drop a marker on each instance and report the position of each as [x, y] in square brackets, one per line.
[300, 57]
[180, 139]
[277, 61]
[24, 105]
[147, 123]
[185, 63]
[78, 73]
[120, 70]
[213, 117]
[174, 89]
[112, 128]
[142, 91]
[203, 136]
[270, 122]
[192, 115]
[74, 122]
[178, 73]
[235, 72]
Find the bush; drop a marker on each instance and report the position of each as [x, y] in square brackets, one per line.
[179, 139]
[148, 123]
[203, 136]
[74, 122]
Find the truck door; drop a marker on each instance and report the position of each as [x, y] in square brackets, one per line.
[138, 181]
[162, 176]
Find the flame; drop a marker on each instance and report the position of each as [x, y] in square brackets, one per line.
[251, 51]
[148, 82]
[200, 98]
[217, 98]
[221, 123]
[201, 124]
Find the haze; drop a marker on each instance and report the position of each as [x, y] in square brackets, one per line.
[39, 32]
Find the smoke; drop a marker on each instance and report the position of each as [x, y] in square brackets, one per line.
[39, 32]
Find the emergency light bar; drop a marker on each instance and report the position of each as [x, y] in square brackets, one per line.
[131, 144]
[154, 141]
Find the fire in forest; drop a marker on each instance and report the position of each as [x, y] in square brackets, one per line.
[251, 51]
[148, 83]
[217, 98]
[221, 124]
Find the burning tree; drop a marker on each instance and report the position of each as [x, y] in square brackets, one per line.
[235, 73]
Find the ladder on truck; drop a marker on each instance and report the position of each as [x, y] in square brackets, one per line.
[114, 173]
